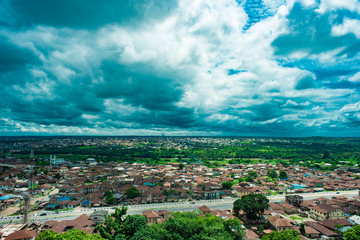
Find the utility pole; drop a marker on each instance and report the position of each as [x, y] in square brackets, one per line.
[32, 153]
[26, 208]
[31, 179]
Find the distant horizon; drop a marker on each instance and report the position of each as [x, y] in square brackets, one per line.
[180, 68]
[179, 136]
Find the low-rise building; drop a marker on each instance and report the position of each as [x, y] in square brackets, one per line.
[326, 212]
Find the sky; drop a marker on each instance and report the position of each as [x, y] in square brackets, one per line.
[180, 67]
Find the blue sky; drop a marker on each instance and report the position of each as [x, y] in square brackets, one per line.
[137, 67]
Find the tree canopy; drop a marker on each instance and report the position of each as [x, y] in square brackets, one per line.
[252, 204]
[132, 192]
[180, 226]
[352, 233]
[73, 234]
[283, 174]
[226, 185]
[283, 235]
[192, 226]
[272, 173]
[109, 197]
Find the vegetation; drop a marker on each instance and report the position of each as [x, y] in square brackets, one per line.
[73, 234]
[252, 204]
[283, 174]
[272, 174]
[319, 152]
[226, 185]
[283, 235]
[181, 226]
[132, 192]
[109, 198]
[352, 233]
[302, 229]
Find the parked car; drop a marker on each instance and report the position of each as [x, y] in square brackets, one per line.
[43, 214]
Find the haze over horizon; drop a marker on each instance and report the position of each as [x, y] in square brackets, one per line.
[180, 68]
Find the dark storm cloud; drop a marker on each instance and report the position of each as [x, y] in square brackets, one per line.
[13, 57]
[87, 14]
[139, 85]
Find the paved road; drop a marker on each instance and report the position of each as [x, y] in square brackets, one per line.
[179, 206]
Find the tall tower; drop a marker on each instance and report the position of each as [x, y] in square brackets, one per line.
[26, 208]
[32, 153]
[31, 179]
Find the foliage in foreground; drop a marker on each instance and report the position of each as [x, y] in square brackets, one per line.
[181, 226]
[283, 235]
[352, 233]
[73, 234]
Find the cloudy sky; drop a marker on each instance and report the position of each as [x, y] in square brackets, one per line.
[151, 67]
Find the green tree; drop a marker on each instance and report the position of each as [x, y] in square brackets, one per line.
[47, 235]
[302, 229]
[283, 174]
[326, 155]
[109, 197]
[110, 200]
[252, 204]
[253, 174]
[284, 235]
[233, 227]
[226, 185]
[132, 192]
[73, 234]
[112, 228]
[249, 179]
[133, 224]
[338, 227]
[352, 233]
[261, 229]
[108, 194]
[57, 175]
[192, 226]
[272, 174]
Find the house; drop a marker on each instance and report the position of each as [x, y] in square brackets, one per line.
[98, 216]
[289, 209]
[280, 223]
[251, 235]
[294, 200]
[204, 209]
[151, 216]
[212, 195]
[173, 198]
[321, 200]
[321, 229]
[310, 232]
[82, 223]
[222, 213]
[307, 204]
[22, 235]
[326, 212]
[118, 197]
[3, 206]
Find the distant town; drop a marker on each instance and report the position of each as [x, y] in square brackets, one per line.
[61, 183]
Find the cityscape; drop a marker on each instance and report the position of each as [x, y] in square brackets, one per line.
[179, 119]
[59, 192]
